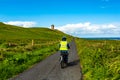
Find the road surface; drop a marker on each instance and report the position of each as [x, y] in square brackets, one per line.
[49, 69]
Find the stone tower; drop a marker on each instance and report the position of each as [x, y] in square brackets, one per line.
[52, 27]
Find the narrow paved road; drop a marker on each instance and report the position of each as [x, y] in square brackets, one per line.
[49, 69]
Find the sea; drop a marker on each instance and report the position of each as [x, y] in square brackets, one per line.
[104, 38]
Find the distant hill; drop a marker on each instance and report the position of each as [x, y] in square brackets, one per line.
[16, 32]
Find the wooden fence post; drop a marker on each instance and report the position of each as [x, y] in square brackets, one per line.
[32, 42]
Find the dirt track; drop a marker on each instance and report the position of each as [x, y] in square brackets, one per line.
[49, 69]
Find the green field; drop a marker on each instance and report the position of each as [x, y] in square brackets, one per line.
[20, 48]
[100, 59]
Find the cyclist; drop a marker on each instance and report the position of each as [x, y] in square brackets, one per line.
[64, 46]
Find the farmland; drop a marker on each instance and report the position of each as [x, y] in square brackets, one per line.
[100, 59]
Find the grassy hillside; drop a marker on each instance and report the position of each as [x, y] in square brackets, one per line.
[18, 36]
[15, 32]
[100, 59]
[20, 48]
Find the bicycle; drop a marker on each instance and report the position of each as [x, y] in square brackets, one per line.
[63, 63]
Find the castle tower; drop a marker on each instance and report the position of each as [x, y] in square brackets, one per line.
[52, 27]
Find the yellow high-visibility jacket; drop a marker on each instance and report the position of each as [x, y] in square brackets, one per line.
[63, 45]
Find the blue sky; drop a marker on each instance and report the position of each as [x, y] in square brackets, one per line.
[100, 14]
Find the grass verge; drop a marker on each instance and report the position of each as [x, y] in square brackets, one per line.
[100, 59]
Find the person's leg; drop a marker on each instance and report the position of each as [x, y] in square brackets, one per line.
[66, 58]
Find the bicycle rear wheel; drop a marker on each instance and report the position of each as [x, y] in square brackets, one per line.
[62, 62]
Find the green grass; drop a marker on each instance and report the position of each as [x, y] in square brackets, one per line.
[15, 32]
[100, 59]
[15, 63]
[17, 52]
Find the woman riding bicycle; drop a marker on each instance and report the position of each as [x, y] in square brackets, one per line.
[64, 46]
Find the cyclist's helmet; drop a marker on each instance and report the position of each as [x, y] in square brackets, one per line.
[64, 38]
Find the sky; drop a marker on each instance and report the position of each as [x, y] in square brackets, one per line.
[82, 18]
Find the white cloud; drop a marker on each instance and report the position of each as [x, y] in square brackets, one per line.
[91, 29]
[22, 23]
